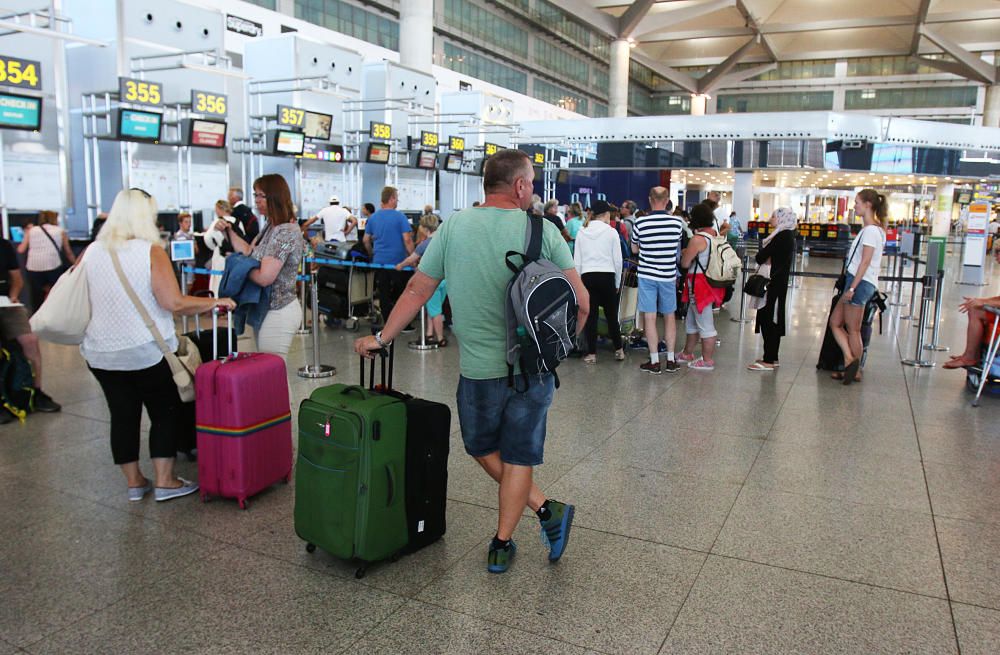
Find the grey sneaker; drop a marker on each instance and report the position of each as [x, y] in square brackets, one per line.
[187, 488]
[135, 494]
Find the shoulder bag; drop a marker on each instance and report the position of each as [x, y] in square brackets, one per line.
[187, 358]
[64, 262]
[65, 314]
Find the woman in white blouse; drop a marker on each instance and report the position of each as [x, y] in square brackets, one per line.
[598, 259]
[46, 245]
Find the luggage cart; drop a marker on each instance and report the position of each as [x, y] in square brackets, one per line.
[345, 292]
[987, 374]
[628, 303]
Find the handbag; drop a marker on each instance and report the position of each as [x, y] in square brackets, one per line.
[759, 302]
[756, 285]
[63, 261]
[187, 358]
[65, 314]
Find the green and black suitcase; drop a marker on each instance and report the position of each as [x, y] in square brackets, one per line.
[350, 477]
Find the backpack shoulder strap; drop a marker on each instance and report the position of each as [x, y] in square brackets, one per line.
[533, 239]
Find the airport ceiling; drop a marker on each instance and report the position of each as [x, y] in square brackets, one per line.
[678, 33]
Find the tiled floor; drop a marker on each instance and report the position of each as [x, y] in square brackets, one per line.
[723, 512]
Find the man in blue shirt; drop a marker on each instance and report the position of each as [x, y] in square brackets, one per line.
[389, 237]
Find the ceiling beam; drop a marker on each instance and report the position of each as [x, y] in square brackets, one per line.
[707, 33]
[974, 67]
[733, 78]
[945, 65]
[711, 80]
[633, 16]
[605, 23]
[922, 10]
[839, 24]
[666, 19]
[676, 77]
[753, 23]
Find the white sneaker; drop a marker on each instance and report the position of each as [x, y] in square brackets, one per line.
[187, 488]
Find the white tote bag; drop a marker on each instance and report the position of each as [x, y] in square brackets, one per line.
[65, 314]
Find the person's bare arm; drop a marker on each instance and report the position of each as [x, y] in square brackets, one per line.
[412, 260]
[368, 243]
[70, 257]
[267, 273]
[305, 226]
[350, 224]
[418, 291]
[168, 294]
[16, 284]
[582, 297]
[408, 242]
[694, 247]
[23, 246]
[239, 244]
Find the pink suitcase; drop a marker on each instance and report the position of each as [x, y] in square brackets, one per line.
[243, 418]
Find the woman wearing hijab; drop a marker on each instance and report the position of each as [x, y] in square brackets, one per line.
[775, 261]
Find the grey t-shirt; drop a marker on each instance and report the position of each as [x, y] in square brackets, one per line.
[284, 243]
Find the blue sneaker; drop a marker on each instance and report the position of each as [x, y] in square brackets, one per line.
[555, 531]
[499, 559]
[661, 347]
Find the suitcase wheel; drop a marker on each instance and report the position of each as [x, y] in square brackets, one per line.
[243, 503]
[288, 478]
[360, 573]
[352, 325]
[310, 548]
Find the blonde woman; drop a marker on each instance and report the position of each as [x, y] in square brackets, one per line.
[861, 283]
[121, 351]
[46, 244]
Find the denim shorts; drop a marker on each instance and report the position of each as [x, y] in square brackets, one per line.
[657, 296]
[862, 294]
[494, 418]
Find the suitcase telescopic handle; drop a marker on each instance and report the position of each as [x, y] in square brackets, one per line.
[383, 355]
[215, 331]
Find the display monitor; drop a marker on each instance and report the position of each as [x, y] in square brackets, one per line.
[182, 251]
[207, 134]
[318, 126]
[323, 152]
[287, 142]
[378, 153]
[427, 159]
[453, 163]
[141, 126]
[19, 112]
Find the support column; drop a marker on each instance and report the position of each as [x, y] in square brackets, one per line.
[416, 34]
[991, 109]
[698, 104]
[942, 210]
[618, 79]
[743, 196]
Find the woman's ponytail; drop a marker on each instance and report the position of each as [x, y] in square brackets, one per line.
[880, 206]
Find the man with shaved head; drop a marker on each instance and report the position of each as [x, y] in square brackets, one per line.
[656, 238]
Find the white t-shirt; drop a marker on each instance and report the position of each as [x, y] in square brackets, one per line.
[334, 219]
[873, 236]
[721, 218]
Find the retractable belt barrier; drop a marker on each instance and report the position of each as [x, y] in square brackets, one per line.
[353, 264]
[205, 271]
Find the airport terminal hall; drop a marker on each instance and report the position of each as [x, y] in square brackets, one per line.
[474, 327]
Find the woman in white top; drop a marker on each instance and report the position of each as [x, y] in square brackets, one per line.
[46, 245]
[864, 260]
[598, 259]
[121, 351]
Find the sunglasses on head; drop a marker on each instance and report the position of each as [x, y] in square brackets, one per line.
[142, 191]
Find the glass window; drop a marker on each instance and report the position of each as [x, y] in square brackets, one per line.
[911, 98]
[486, 26]
[561, 63]
[556, 95]
[679, 104]
[639, 100]
[598, 110]
[474, 65]
[266, 4]
[791, 101]
[883, 66]
[348, 19]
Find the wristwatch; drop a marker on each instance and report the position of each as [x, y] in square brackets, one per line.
[378, 340]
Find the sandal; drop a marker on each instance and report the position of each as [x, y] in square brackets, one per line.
[958, 362]
[443, 343]
[760, 366]
[851, 371]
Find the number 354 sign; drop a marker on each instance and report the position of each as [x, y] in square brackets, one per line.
[22, 73]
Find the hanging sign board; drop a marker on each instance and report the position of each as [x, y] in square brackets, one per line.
[20, 112]
[291, 117]
[456, 144]
[429, 139]
[140, 92]
[380, 131]
[22, 73]
[490, 149]
[208, 103]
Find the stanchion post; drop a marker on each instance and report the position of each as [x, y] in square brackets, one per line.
[315, 370]
[913, 290]
[421, 342]
[184, 290]
[303, 324]
[898, 272]
[935, 345]
[743, 294]
[925, 301]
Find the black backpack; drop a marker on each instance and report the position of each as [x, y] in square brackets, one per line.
[541, 311]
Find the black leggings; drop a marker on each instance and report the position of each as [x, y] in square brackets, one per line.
[772, 341]
[390, 286]
[127, 392]
[603, 293]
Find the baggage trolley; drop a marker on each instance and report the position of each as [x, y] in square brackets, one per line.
[344, 293]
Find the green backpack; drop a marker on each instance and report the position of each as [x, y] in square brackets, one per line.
[17, 380]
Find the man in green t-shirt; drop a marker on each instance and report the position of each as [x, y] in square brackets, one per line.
[502, 429]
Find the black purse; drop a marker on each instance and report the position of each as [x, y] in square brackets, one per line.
[756, 285]
[841, 282]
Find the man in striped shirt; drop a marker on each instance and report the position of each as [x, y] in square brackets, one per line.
[656, 238]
